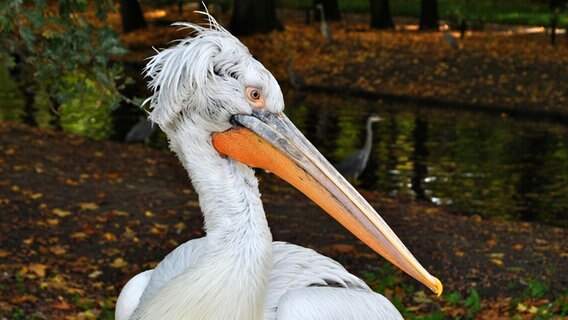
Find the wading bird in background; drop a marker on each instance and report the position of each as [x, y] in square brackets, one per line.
[140, 132]
[222, 112]
[296, 80]
[324, 28]
[449, 38]
[352, 166]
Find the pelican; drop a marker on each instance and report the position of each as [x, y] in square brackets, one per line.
[222, 112]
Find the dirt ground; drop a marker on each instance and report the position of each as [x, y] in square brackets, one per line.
[80, 217]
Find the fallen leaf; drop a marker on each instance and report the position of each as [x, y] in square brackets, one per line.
[60, 212]
[120, 213]
[109, 236]
[342, 248]
[518, 246]
[95, 274]
[88, 206]
[498, 262]
[497, 255]
[18, 299]
[61, 305]
[79, 235]
[71, 182]
[38, 268]
[118, 263]
[179, 227]
[58, 250]
[459, 253]
[521, 307]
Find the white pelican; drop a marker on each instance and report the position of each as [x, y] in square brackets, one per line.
[223, 114]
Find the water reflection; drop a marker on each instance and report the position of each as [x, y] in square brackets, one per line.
[476, 163]
[88, 114]
[12, 101]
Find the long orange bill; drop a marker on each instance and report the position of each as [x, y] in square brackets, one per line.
[272, 142]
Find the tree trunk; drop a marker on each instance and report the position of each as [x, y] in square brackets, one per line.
[555, 7]
[251, 17]
[132, 16]
[553, 26]
[330, 8]
[429, 15]
[381, 15]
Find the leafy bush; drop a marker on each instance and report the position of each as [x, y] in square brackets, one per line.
[60, 54]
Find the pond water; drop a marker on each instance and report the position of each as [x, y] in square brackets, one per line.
[474, 163]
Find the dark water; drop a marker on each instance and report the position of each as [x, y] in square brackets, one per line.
[474, 163]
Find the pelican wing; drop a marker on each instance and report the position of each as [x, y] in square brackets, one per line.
[143, 286]
[300, 279]
[333, 303]
[305, 284]
[129, 297]
[177, 261]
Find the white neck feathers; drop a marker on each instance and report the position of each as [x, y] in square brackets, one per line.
[229, 281]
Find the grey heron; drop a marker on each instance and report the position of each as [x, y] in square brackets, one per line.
[296, 80]
[352, 166]
[449, 38]
[140, 132]
[324, 28]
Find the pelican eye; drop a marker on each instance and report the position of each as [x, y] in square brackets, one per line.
[255, 97]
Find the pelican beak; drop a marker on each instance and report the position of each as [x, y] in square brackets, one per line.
[272, 142]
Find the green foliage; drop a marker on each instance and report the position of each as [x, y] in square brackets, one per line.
[562, 303]
[536, 289]
[61, 54]
[473, 302]
[436, 315]
[10, 96]
[17, 313]
[384, 278]
[20, 286]
[454, 298]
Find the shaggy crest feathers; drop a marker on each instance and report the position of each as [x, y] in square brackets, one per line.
[179, 75]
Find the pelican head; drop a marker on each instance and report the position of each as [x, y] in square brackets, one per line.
[206, 79]
[215, 101]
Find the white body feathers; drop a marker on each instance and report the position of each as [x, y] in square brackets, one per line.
[302, 285]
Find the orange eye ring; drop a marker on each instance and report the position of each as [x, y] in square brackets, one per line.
[255, 97]
[253, 94]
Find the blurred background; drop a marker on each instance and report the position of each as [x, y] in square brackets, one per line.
[472, 93]
[472, 97]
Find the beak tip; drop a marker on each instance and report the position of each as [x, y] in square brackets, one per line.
[437, 287]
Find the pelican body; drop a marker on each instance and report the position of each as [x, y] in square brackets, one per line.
[222, 112]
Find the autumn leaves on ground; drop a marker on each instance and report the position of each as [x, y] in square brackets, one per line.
[502, 68]
[80, 217]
